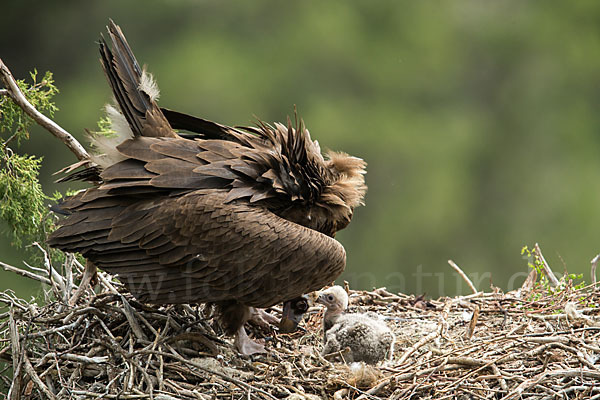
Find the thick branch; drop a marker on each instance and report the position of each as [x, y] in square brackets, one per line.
[12, 89]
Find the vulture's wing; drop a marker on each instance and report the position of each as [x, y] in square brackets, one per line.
[199, 248]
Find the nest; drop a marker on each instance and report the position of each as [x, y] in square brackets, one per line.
[102, 343]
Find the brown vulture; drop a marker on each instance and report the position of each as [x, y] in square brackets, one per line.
[239, 217]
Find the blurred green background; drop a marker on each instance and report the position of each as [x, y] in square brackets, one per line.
[479, 120]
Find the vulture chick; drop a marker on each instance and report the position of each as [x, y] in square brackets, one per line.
[368, 337]
[237, 217]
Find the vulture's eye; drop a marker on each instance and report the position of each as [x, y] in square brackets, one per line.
[330, 297]
[302, 306]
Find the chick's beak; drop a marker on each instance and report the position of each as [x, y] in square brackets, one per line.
[321, 299]
[289, 319]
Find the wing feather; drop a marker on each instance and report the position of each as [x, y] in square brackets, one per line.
[198, 248]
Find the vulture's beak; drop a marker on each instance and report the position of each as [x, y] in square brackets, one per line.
[293, 311]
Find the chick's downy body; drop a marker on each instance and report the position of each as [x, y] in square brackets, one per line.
[366, 335]
[369, 340]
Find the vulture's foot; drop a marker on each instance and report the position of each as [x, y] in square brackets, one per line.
[245, 345]
[262, 318]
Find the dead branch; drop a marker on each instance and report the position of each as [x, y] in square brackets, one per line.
[25, 273]
[423, 341]
[594, 263]
[36, 379]
[15, 93]
[463, 275]
[549, 274]
[472, 323]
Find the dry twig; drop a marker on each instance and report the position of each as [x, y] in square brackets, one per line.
[549, 274]
[463, 275]
[594, 263]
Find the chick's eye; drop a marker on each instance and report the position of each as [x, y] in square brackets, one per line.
[330, 297]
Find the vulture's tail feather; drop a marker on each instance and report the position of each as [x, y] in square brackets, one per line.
[133, 88]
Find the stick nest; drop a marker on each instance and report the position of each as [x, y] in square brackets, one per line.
[102, 343]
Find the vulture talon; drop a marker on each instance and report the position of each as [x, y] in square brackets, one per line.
[247, 346]
[262, 318]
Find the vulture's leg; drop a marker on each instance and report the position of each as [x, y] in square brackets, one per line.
[245, 345]
[233, 316]
[262, 318]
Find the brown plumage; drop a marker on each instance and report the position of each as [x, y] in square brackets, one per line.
[238, 217]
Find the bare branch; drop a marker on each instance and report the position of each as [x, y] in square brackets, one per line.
[36, 378]
[463, 275]
[53, 274]
[547, 270]
[25, 273]
[594, 263]
[12, 89]
[15, 387]
[529, 281]
[472, 323]
[88, 274]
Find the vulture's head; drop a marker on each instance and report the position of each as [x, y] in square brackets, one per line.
[322, 190]
[335, 299]
[293, 311]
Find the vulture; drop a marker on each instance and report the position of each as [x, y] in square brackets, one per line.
[240, 218]
[366, 335]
